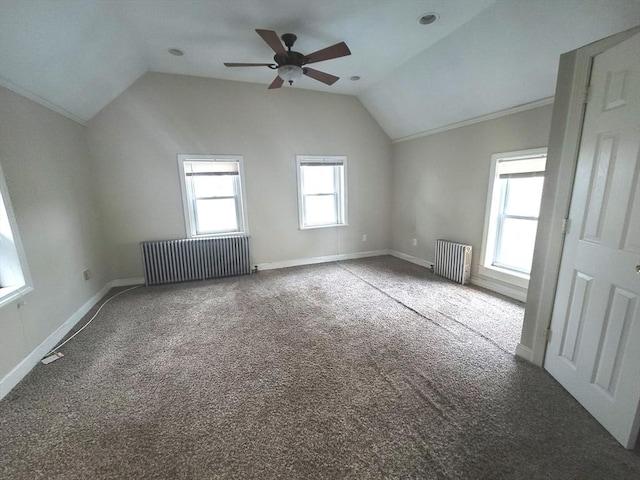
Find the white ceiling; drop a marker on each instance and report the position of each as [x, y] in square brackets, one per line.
[482, 56]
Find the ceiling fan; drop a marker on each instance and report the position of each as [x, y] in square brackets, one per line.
[290, 64]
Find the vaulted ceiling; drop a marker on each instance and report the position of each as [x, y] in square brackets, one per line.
[480, 57]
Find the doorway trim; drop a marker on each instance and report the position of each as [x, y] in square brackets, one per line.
[574, 73]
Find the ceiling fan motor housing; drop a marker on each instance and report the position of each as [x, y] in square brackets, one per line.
[290, 58]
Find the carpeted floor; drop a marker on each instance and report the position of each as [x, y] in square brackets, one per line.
[364, 369]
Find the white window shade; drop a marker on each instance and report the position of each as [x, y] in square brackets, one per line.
[219, 167]
[527, 166]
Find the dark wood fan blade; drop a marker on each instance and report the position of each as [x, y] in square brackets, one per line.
[334, 51]
[320, 76]
[272, 40]
[227, 64]
[277, 83]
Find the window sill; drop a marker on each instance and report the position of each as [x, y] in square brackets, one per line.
[9, 294]
[506, 276]
[216, 235]
[315, 227]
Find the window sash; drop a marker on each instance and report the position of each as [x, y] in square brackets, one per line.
[336, 212]
[502, 217]
[201, 231]
[499, 247]
[194, 204]
[337, 193]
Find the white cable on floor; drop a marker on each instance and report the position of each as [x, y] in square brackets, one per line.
[54, 350]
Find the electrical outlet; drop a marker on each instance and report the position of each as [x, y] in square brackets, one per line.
[364, 237]
[415, 242]
[86, 274]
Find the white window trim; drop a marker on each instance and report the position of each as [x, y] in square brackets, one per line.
[189, 215]
[491, 211]
[9, 294]
[321, 159]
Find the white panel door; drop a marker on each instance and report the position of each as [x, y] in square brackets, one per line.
[594, 348]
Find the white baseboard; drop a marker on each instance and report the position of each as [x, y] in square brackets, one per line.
[516, 293]
[312, 260]
[524, 352]
[412, 259]
[12, 378]
[125, 282]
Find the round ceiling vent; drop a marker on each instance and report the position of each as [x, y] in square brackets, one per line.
[355, 78]
[428, 18]
[176, 52]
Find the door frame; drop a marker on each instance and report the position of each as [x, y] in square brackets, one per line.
[569, 107]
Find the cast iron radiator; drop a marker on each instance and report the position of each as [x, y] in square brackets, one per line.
[453, 261]
[170, 261]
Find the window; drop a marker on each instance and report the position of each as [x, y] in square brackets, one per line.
[511, 223]
[212, 194]
[321, 191]
[14, 274]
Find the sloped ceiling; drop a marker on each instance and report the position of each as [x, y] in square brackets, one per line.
[506, 56]
[482, 56]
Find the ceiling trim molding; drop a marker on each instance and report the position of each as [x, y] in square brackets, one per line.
[38, 99]
[481, 118]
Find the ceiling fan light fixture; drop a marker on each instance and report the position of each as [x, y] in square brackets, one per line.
[290, 73]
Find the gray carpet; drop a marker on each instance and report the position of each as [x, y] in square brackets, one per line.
[450, 305]
[310, 372]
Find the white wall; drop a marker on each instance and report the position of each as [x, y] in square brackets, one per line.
[44, 158]
[135, 139]
[440, 181]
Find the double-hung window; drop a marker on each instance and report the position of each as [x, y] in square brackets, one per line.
[212, 193]
[15, 280]
[321, 191]
[515, 193]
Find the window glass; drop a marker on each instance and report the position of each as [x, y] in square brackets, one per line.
[517, 239]
[318, 179]
[523, 196]
[218, 215]
[10, 268]
[214, 185]
[320, 210]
